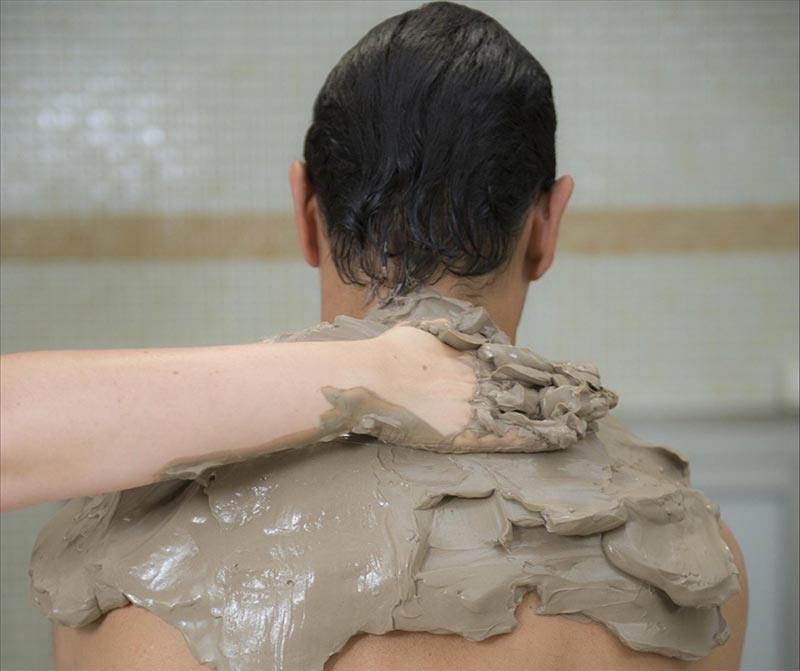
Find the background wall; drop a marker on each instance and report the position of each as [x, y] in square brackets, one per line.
[144, 151]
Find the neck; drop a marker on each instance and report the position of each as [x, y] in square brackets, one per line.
[502, 299]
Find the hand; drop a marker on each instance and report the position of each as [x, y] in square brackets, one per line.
[434, 382]
[474, 396]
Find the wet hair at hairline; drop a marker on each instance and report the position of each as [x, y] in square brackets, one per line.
[430, 140]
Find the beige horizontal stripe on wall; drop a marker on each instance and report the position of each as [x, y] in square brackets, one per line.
[197, 236]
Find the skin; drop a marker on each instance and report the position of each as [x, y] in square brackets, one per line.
[132, 639]
[79, 423]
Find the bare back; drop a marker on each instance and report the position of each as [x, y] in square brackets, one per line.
[132, 639]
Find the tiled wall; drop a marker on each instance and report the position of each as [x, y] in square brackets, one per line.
[176, 106]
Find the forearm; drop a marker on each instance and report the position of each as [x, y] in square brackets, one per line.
[84, 422]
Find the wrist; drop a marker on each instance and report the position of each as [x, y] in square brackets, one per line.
[372, 362]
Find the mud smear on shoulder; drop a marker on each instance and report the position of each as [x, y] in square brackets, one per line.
[275, 562]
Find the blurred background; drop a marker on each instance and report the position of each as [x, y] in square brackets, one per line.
[145, 203]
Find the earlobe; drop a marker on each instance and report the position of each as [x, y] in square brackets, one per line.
[305, 213]
[546, 225]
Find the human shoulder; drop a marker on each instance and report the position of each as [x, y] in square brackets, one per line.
[539, 642]
[574, 645]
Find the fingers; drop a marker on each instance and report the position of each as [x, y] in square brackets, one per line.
[523, 401]
[501, 355]
[467, 330]
[526, 403]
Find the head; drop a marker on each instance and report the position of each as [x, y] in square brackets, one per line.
[430, 160]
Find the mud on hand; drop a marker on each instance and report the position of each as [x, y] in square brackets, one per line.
[521, 403]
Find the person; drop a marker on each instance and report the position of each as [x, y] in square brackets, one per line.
[430, 161]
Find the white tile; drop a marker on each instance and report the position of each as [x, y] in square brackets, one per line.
[175, 107]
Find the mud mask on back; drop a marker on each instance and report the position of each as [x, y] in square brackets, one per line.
[275, 562]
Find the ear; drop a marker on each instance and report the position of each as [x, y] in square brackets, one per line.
[306, 212]
[546, 216]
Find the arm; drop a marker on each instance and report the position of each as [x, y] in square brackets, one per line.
[83, 422]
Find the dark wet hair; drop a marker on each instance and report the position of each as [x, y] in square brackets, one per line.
[430, 140]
